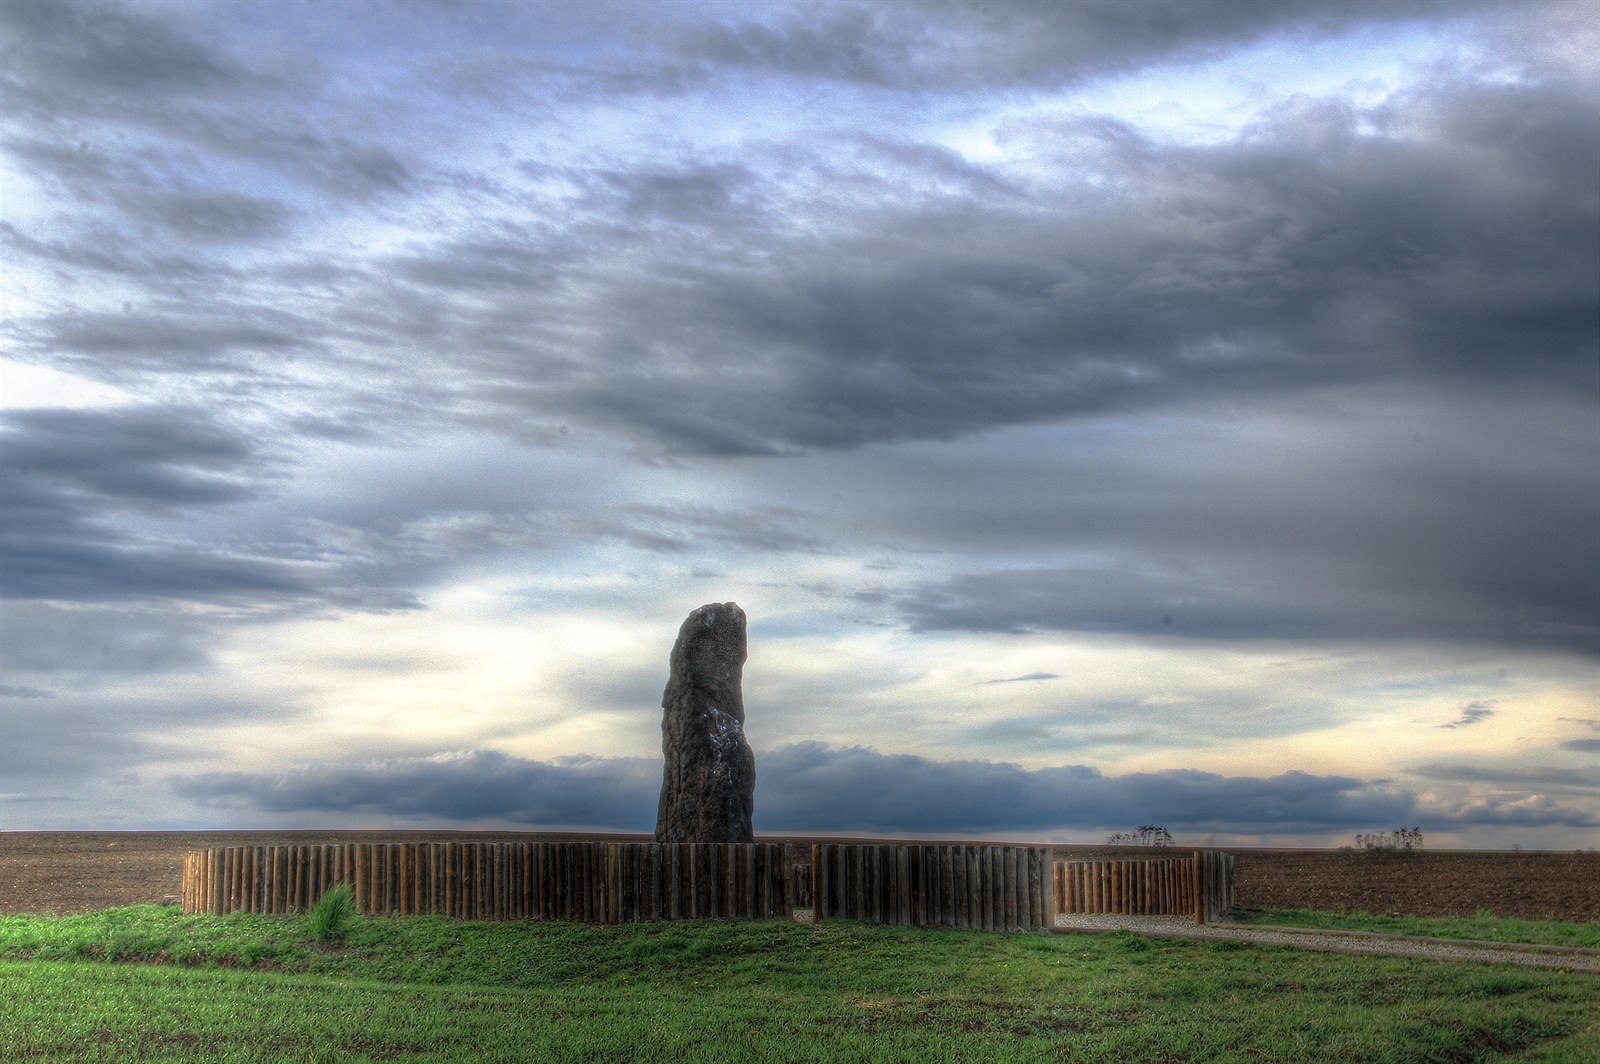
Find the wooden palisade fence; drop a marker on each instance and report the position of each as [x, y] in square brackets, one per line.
[592, 882]
[1200, 885]
[1215, 874]
[994, 888]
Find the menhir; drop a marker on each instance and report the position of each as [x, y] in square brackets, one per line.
[708, 788]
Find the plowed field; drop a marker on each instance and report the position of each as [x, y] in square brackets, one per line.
[1525, 885]
[80, 871]
[67, 872]
[1530, 886]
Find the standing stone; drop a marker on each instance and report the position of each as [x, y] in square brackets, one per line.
[708, 787]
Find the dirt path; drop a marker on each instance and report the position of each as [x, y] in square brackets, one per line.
[1571, 958]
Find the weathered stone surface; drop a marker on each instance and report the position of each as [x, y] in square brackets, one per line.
[708, 786]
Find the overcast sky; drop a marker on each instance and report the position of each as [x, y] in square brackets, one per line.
[1107, 413]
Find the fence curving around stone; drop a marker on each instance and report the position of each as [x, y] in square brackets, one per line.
[995, 888]
[1200, 885]
[992, 888]
[591, 882]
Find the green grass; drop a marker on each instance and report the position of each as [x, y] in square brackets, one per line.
[1485, 926]
[330, 917]
[250, 988]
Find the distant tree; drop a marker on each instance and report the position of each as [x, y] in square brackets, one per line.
[1400, 840]
[1146, 835]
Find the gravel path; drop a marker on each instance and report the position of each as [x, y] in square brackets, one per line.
[1572, 958]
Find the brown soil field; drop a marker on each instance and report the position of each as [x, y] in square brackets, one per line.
[79, 871]
[70, 872]
[1529, 886]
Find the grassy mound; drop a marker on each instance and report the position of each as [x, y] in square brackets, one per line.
[254, 988]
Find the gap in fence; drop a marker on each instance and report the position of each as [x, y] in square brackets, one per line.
[1200, 885]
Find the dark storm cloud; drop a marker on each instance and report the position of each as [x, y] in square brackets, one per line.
[810, 787]
[1582, 746]
[808, 783]
[614, 792]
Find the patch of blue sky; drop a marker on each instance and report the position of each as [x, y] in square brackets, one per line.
[1212, 100]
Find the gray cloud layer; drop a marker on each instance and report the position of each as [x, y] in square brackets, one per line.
[476, 784]
[934, 43]
[810, 787]
[1447, 231]
[67, 474]
[95, 507]
[1308, 253]
[792, 297]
